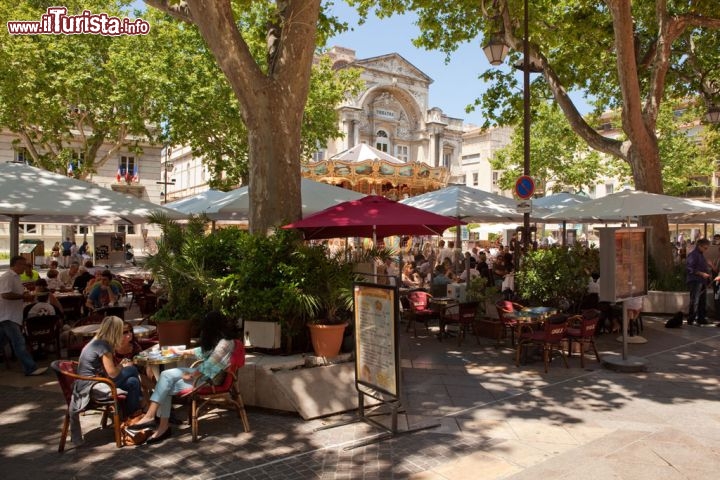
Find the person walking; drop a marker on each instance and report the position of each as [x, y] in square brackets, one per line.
[698, 276]
[12, 300]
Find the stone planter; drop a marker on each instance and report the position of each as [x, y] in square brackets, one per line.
[327, 339]
[666, 302]
[262, 334]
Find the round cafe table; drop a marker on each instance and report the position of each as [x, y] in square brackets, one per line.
[140, 331]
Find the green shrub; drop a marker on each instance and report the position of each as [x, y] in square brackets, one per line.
[550, 275]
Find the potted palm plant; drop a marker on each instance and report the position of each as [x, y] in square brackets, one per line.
[333, 281]
[176, 268]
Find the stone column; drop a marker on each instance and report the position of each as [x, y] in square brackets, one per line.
[356, 132]
[431, 158]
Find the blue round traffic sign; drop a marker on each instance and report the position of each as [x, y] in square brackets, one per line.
[525, 187]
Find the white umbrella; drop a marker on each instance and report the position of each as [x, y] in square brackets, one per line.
[199, 203]
[469, 204]
[631, 203]
[40, 196]
[235, 204]
[494, 227]
[560, 201]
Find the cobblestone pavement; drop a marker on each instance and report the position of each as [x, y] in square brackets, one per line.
[496, 421]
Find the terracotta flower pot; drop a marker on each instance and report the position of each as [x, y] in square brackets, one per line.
[327, 339]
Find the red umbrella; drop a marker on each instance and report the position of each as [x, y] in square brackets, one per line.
[373, 217]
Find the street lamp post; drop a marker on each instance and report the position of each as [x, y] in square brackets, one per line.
[526, 119]
[165, 182]
[495, 50]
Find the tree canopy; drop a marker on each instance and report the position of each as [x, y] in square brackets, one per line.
[200, 109]
[67, 95]
[623, 55]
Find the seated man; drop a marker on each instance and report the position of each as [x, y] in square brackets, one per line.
[439, 282]
[29, 274]
[87, 274]
[67, 277]
[103, 293]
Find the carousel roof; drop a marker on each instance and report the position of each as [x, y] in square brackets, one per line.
[363, 152]
[365, 165]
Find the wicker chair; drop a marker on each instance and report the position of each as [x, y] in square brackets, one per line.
[549, 338]
[581, 329]
[109, 404]
[204, 395]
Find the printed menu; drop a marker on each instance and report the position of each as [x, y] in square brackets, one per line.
[375, 341]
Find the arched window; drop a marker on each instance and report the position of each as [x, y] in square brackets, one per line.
[381, 140]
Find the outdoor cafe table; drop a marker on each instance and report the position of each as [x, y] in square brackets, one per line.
[532, 314]
[442, 305]
[140, 331]
[158, 359]
[532, 317]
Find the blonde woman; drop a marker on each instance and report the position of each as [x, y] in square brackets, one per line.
[96, 360]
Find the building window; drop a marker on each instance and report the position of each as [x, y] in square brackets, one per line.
[609, 189]
[126, 168]
[381, 141]
[495, 178]
[80, 230]
[127, 229]
[402, 152]
[76, 161]
[28, 228]
[22, 155]
[318, 156]
[476, 179]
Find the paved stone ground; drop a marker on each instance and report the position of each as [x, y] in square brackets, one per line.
[496, 421]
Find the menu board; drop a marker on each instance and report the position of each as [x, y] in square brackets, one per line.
[376, 353]
[623, 263]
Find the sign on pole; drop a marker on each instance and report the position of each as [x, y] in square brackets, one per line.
[524, 207]
[525, 187]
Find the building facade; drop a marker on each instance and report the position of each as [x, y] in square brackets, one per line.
[393, 113]
[125, 171]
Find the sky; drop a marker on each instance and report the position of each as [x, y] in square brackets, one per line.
[455, 84]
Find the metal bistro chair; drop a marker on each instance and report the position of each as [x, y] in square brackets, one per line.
[581, 329]
[204, 395]
[463, 316]
[43, 330]
[420, 310]
[550, 338]
[505, 307]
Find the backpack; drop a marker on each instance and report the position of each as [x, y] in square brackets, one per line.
[675, 321]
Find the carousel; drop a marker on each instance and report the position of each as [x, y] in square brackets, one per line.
[367, 170]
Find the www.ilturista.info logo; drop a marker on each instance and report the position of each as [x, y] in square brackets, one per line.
[57, 22]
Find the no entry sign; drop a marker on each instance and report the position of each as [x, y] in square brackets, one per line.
[525, 187]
